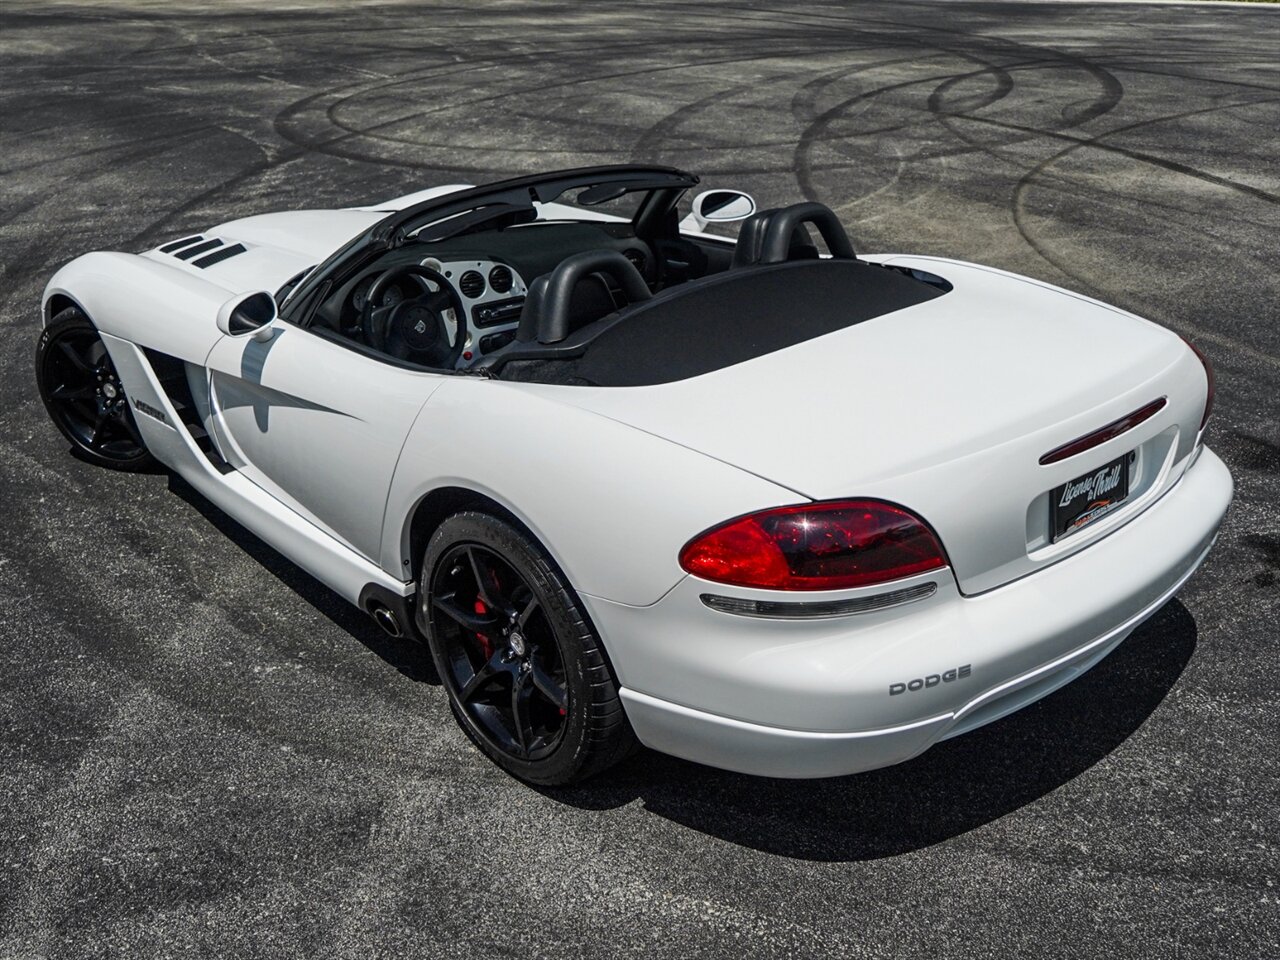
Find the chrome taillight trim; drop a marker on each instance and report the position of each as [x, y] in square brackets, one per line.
[817, 609]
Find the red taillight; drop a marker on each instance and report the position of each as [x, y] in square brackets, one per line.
[815, 546]
[1208, 372]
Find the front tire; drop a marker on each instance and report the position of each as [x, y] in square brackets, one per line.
[524, 670]
[83, 394]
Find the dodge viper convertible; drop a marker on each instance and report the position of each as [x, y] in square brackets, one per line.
[766, 503]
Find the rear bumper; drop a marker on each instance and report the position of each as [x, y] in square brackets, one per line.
[812, 699]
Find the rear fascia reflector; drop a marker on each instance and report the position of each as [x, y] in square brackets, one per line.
[1103, 434]
[817, 609]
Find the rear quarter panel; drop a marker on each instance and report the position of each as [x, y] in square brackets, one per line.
[613, 505]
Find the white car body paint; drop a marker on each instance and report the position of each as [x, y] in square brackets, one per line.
[943, 407]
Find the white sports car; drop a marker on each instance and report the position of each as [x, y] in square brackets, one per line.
[785, 513]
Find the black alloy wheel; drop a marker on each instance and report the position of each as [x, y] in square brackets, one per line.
[524, 671]
[83, 394]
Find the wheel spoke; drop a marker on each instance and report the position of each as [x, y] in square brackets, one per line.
[72, 354]
[475, 622]
[527, 612]
[124, 420]
[67, 392]
[482, 589]
[520, 690]
[481, 677]
[548, 687]
[98, 431]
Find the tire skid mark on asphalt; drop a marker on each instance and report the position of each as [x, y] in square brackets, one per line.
[648, 147]
[149, 151]
[524, 91]
[1110, 96]
[457, 103]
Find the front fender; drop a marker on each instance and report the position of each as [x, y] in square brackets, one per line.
[148, 303]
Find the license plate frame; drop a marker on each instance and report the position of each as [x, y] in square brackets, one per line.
[1089, 497]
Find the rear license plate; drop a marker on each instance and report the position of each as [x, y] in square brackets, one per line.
[1088, 498]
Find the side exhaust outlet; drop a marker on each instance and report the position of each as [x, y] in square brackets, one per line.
[387, 620]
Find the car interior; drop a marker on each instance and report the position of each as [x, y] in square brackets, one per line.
[551, 292]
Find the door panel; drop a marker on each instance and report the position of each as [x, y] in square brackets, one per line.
[317, 425]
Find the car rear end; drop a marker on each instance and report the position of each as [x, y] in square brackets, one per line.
[991, 495]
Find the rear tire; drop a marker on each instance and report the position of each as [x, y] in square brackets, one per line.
[524, 670]
[83, 394]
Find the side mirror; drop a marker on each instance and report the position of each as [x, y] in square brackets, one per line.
[718, 206]
[248, 315]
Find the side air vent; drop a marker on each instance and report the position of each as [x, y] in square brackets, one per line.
[471, 283]
[500, 279]
[638, 260]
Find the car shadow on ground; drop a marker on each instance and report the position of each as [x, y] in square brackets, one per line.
[956, 786]
[409, 657]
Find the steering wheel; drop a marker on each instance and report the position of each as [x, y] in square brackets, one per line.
[415, 329]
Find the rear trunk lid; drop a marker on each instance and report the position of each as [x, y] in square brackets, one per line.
[946, 408]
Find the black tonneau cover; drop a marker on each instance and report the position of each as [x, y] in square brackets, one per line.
[716, 322]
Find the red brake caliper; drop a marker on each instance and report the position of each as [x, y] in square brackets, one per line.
[485, 643]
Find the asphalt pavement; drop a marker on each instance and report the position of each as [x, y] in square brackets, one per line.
[205, 753]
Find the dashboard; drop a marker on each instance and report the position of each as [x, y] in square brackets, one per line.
[493, 294]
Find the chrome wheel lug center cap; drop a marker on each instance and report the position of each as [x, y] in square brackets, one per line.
[516, 639]
[110, 390]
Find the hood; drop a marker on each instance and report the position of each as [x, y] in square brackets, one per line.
[944, 407]
[263, 252]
